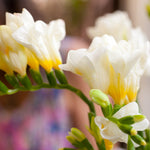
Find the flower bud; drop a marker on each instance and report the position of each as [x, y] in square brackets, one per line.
[12, 80]
[138, 139]
[131, 119]
[51, 78]
[25, 81]
[61, 77]
[99, 98]
[78, 135]
[138, 118]
[128, 129]
[36, 76]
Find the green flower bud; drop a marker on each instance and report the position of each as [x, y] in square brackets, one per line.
[51, 78]
[12, 80]
[138, 118]
[128, 129]
[78, 135]
[138, 139]
[99, 98]
[61, 77]
[131, 119]
[36, 76]
[25, 81]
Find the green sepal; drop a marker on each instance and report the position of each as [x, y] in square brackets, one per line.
[12, 80]
[107, 111]
[130, 145]
[36, 76]
[25, 81]
[3, 87]
[51, 78]
[61, 77]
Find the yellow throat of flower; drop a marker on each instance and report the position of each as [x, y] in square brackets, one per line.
[121, 91]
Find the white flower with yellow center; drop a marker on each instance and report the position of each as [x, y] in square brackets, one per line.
[116, 24]
[11, 52]
[111, 131]
[113, 67]
[15, 21]
[42, 39]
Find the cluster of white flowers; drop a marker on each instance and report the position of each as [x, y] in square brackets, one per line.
[114, 63]
[25, 41]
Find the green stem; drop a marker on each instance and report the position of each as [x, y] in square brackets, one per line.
[79, 93]
[57, 86]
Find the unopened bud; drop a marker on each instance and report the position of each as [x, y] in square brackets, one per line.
[61, 77]
[138, 139]
[99, 97]
[36, 76]
[79, 136]
[133, 132]
[127, 129]
[138, 118]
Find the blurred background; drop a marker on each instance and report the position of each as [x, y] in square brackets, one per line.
[32, 131]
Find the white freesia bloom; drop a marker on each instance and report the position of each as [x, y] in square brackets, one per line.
[42, 39]
[12, 53]
[15, 21]
[113, 67]
[110, 130]
[119, 26]
[116, 24]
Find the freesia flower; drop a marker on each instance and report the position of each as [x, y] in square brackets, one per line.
[12, 54]
[119, 26]
[113, 67]
[110, 130]
[116, 24]
[15, 21]
[42, 39]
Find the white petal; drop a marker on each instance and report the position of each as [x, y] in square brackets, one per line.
[142, 125]
[110, 130]
[129, 109]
